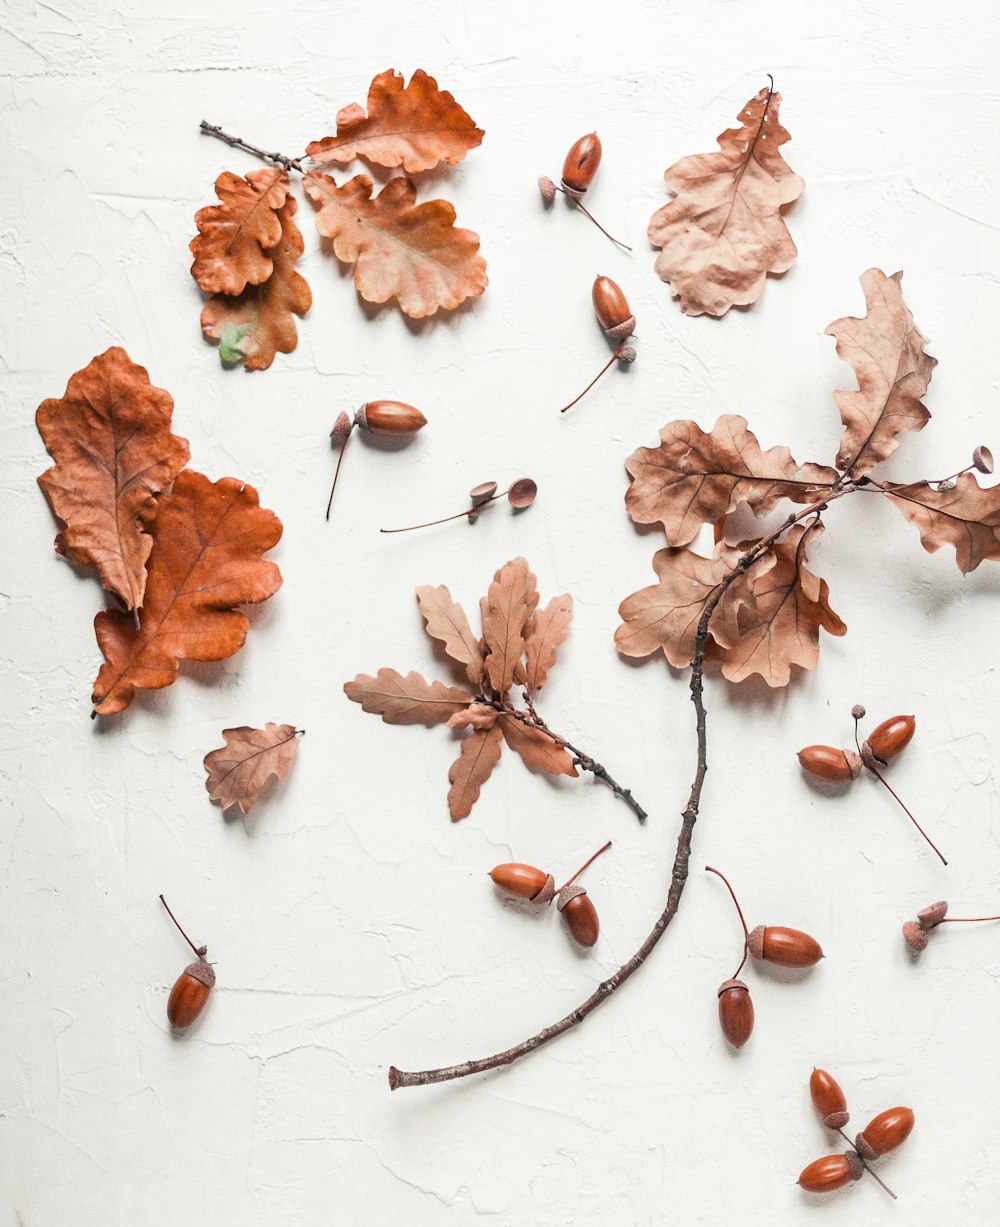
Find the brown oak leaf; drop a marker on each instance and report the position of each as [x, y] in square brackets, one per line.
[231, 249]
[239, 770]
[693, 478]
[208, 542]
[476, 716]
[886, 350]
[723, 232]
[780, 611]
[260, 322]
[510, 602]
[546, 630]
[479, 754]
[446, 622]
[406, 700]
[413, 253]
[109, 435]
[415, 126]
[540, 753]
[966, 517]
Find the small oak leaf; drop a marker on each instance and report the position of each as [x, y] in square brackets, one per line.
[231, 250]
[406, 700]
[510, 602]
[547, 630]
[447, 623]
[966, 517]
[539, 752]
[239, 770]
[477, 716]
[479, 754]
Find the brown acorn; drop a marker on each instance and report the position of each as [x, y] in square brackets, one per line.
[527, 882]
[887, 1131]
[580, 915]
[193, 986]
[389, 419]
[827, 763]
[891, 736]
[784, 947]
[831, 1172]
[735, 1012]
[581, 163]
[612, 309]
[828, 1099]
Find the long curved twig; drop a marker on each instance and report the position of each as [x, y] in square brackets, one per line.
[679, 871]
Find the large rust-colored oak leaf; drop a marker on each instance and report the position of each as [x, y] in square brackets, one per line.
[723, 232]
[238, 771]
[400, 250]
[966, 517]
[518, 648]
[416, 126]
[209, 539]
[693, 478]
[231, 248]
[254, 326]
[109, 435]
[886, 349]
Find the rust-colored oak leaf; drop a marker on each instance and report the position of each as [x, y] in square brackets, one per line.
[209, 539]
[693, 478]
[239, 770]
[406, 700]
[445, 620]
[546, 631]
[231, 249]
[479, 754]
[723, 232]
[259, 323]
[518, 647]
[966, 517]
[780, 612]
[109, 435]
[886, 350]
[540, 753]
[412, 253]
[415, 126]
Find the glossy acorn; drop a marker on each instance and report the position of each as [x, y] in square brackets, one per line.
[524, 882]
[538, 887]
[828, 763]
[580, 915]
[891, 736]
[735, 1012]
[581, 163]
[392, 418]
[612, 309]
[828, 1099]
[784, 947]
[831, 1172]
[887, 1131]
[190, 993]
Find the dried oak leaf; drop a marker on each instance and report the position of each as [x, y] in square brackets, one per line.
[406, 700]
[886, 350]
[510, 602]
[692, 478]
[479, 754]
[445, 620]
[109, 435]
[540, 753]
[260, 322]
[239, 770]
[415, 126]
[208, 542]
[723, 232]
[402, 250]
[231, 249]
[966, 517]
[546, 631]
[779, 612]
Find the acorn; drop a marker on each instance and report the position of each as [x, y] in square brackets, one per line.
[784, 947]
[193, 986]
[735, 1012]
[891, 736]
[388, 419]
[887, 1131]
[578, 173]
[828, 763]
[828, 1099]
[580, 914]
[831, 1172]
[539, 887]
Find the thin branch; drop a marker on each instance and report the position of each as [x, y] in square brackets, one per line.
[682, 855]
[279, 159]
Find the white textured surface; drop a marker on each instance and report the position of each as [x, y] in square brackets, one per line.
[351, 921]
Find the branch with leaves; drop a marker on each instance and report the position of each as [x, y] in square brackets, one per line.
[756, 606]
[248, 244]
[517, 648]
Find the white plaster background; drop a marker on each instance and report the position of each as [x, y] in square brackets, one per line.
[352, 922]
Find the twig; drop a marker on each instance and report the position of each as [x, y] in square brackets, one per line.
[679, 871]
[279, 159]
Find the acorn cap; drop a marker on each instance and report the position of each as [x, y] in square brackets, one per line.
[836, 1120]
[855, 1164]
[545, 895]
[982, 459]
[573, 193]
[916, 937]
[626, 356]
[342, 427]
[932, 915]
[863, 1149]
[568, 894]
[726, 985]
[854, 762]
[547, 188]
[755, 942]
[622, 330]
[201, 971]
[858, 711]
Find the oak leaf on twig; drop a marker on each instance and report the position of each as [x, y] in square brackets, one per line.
[109, 434]
[966, 517]
[412, 253]
[260, 322]
[231, 248]
[723, 232]
[415, 126]
[209, 539]
[886, 350]
[239, 770]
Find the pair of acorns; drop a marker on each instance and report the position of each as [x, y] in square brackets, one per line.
[539, 888]
[884, 1133]
[766, 943]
